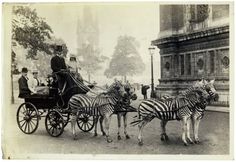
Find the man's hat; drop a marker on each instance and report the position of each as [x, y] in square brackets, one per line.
[24, 70]
[58, 48]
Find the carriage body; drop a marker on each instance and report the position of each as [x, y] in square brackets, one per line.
[54, 105]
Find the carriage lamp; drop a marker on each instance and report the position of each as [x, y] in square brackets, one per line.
[151, 50]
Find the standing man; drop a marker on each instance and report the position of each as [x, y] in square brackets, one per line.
[144, 89]
[58, 66]
[23, 84]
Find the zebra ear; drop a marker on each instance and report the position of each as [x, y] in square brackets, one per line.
[212, 81]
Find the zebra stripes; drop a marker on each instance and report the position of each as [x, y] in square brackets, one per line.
[94, 106]
[180, 107]
[103, 105]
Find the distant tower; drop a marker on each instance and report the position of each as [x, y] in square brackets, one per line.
[87, 29]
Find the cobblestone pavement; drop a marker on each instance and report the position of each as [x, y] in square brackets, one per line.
[213, 133]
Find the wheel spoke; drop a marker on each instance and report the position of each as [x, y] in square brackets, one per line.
[31, 126]
[53, 130]
[25, 126]
[21, 120]
[32, 123]
[90, 123]
[80, 121]
[28, 127]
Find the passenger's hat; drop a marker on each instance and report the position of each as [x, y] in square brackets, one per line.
[35, 71]
[24, 70]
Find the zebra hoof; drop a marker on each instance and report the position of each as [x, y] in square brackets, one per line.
[164, 137]
[119, 137]
[95, 135]
[127, 136]
[103, 133]
[109, 140]
[185, 144]
[197, 141]
[75, 138]
[140, 143]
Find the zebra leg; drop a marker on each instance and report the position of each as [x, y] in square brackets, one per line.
[188, 130]
[119, 123]
[95, 126]
[164, 136]
[184, 129]
[101, 125]
[125, 126]
[196, 139]
[73, 123]
[107, 124]
[140, 136]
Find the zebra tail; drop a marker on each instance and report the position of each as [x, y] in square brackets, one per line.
[136, 122]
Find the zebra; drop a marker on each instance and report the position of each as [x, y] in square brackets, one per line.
[198, 112]
[122, 111]
[200, 108]
[179, 108]
[102, 105]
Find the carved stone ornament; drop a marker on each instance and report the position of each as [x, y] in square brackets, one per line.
[225, 61]
[200, 64]
[167, 66]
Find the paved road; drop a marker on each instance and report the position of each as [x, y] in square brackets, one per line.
[214, 135]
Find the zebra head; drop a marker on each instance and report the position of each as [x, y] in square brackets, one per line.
[130, 92]
[210, 88]
[200, 88]
[117, 89]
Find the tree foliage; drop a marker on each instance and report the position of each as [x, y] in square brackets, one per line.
[30, 31]
[126, 60]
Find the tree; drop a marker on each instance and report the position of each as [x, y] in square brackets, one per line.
[91, 59]
[126, 60]
[30, 31]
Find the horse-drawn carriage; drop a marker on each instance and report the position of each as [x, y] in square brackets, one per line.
[52, 106]
[58, 111]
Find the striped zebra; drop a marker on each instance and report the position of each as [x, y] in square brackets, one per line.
[179, 108]
[199, 109]
[102, 105]
[122, 111]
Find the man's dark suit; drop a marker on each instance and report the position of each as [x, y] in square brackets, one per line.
[23, 87]
[57, 63]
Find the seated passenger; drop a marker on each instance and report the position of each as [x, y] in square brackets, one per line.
[34, 82]
[24, 90]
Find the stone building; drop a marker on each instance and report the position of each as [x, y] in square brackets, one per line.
[194, 43]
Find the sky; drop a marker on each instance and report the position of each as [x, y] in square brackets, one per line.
[140, 20]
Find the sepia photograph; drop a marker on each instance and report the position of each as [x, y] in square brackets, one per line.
[117, 80]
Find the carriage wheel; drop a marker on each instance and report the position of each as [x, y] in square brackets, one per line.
[27, 118]
[64, 114]
[54, 123]
[85, 122]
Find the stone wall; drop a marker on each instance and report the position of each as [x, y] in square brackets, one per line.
[189, 53]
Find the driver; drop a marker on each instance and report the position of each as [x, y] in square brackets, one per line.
[58, 66]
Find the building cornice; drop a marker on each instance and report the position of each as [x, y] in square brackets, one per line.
[177, 38]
